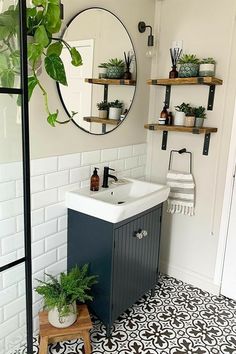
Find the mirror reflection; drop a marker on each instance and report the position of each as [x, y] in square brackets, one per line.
[102, 90]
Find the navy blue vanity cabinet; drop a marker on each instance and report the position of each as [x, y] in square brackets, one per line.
[124, 255]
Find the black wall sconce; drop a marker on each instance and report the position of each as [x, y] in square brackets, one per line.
[62, 11]
[142, 28]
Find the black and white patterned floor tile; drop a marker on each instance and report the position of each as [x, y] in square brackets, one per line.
[179, 319]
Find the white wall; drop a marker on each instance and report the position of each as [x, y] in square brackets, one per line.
[189, 244]
[47, 141]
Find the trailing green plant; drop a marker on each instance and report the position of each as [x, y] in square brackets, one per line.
[43, 22]
[186, 108]
[207, 61]
[188, 59]
[75, 285]
[103, 106]
[116, 104]
[119, 63]
[200, 112]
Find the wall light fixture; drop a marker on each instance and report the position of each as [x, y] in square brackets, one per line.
[142, 28]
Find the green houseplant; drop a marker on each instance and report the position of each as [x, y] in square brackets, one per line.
[115, 68]
[189, 65]
[115, 109]
[103, 108]
[43, 22]
[207, 67]
[200, 115]
[180, 112]
[60, 295]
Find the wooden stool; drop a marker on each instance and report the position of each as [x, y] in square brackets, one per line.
[80, 329]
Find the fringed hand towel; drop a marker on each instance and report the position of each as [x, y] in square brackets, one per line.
[182, 193]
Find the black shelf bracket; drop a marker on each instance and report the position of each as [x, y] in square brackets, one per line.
[206, 144]
[104, 130]
[105, 95]
[164, 140]
[211, 98]
[167, 98]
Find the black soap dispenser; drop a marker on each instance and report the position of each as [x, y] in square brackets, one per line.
[94, 181]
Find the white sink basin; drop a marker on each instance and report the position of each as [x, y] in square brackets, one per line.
[119, 201]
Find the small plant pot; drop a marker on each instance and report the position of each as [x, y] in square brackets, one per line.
[189, 121]
[102, 113]
[188, 70]
[102, 73]
[115, 113]
[62, 321]
[179, 118]
[207, 70]
[114, 72]
[199, 122]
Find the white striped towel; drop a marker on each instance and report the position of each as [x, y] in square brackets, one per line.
[182, 193]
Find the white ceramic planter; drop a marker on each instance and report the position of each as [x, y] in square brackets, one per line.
[65, 321]
[189, 121]
[102, 73]
[102, 113]
[114, 113]
[179, 118]
[207, 70]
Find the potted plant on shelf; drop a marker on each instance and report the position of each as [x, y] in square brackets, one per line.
[189, 65]
[115, 68]
[43, 22]
[200, 115]
[207, 67]
[115, 109]
[180, 112]
[189, 116]
[102, 71]
[103, 108]
[60, 295]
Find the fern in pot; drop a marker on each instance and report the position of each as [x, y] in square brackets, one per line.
[189, 65]
[60, 295]
[44, 49]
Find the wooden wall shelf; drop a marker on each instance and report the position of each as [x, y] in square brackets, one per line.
[175, 128]
[111, 82]
[186, 81]
[102, 120]
[209, 81]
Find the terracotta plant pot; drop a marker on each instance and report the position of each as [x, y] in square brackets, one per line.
[189, 121]
[102, 113]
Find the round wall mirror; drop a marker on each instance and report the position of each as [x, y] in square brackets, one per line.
[102, 90]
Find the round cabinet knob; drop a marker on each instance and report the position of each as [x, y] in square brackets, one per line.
[145, 233]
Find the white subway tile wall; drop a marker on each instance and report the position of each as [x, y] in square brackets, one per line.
[51, 178]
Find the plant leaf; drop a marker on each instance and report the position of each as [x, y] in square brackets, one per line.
[41, 36]
[55, 2]
[35, 50]
[3, 62]
[7, 78]
[76, 57]
[52, 118]
[32, 83]
[52, 18]
[55, 48]
[4, 32]
[55, 68]
[39, 2]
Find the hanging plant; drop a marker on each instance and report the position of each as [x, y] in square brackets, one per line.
[43, 22]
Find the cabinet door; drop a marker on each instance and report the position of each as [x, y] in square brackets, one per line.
[135, 262]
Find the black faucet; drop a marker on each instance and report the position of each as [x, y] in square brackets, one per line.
[106, 175]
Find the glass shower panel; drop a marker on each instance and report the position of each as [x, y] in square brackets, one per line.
[11, 183]
[12, 311]
[9, 44]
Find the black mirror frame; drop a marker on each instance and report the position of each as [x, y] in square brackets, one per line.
[58, 86]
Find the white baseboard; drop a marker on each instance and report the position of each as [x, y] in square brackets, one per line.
[189, 277]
